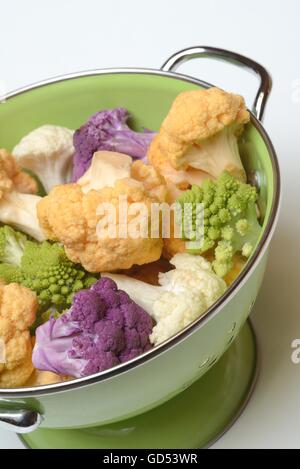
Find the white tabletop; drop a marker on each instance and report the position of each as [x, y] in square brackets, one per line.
[43, 39]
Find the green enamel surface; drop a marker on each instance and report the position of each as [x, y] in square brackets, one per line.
[70, 103]
[256, 159]
[193, 419]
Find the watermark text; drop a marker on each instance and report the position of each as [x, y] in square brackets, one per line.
[295, 357]
[141, 220]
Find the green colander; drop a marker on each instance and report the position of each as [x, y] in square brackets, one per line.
[147, 381]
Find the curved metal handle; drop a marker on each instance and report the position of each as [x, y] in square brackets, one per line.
[190, 53]
[20, 421]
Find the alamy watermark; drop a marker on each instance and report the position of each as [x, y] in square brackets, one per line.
[295, 357]
[155, 220]
[2, 351]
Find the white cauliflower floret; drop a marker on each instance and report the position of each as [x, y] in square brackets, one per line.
[184, 294]
[47, 151]
[172, 314]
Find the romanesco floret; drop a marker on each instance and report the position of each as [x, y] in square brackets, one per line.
[41, 267]
[230, 219]
[11, 245]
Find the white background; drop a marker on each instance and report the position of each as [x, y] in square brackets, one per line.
[42, 39]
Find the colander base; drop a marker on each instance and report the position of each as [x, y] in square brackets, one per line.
[196, 418]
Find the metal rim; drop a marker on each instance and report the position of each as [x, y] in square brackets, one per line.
[218, 305]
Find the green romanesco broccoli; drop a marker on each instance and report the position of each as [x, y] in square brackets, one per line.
[11, 245]
[41, 267]
[229, 212]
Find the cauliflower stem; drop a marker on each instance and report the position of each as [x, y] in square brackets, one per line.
[217, 154]
[20, 211]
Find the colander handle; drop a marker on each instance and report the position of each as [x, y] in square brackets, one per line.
[223, 55]
[20, 420]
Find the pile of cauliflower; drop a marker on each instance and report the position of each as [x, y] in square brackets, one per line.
[69, 303]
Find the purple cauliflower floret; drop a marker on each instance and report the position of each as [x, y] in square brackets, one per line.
[102, 329]
[107, 130]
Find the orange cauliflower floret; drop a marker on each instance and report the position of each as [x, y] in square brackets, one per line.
[70, 215]
[43, 378]
[17, 200]
[12, 178]
[18, 308]
[201, 132]
[153, 182]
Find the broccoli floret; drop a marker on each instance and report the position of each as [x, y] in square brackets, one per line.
[230, 219]
[43, 268]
